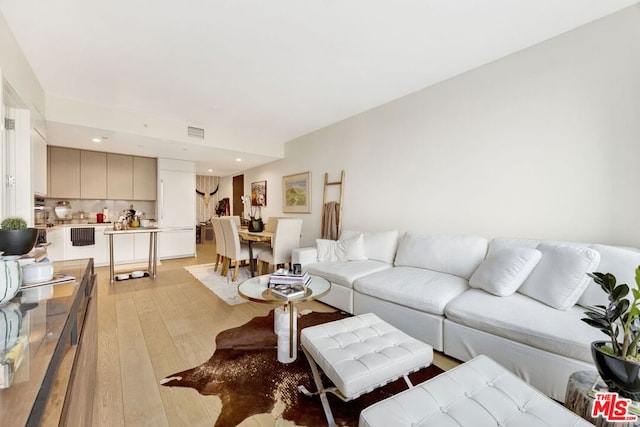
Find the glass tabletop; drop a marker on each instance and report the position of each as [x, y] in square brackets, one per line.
[257, 289]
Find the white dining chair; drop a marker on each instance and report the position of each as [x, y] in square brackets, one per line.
[286, 238]
[235, 251]
[220, 246]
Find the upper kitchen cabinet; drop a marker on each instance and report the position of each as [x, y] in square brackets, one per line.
[85, 174]
[119, 177]
[93, 175]
[145, 181]
[64, 173]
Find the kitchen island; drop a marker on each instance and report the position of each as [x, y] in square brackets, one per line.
[51, 369]
[152, 263]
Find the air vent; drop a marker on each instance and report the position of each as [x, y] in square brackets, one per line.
[195, 132]
[9, 124]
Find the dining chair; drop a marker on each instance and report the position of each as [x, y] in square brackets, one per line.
[235, 251]
[270, 225]
[220, 247]
[286, 238]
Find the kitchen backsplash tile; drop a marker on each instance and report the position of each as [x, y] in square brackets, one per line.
[92, 207]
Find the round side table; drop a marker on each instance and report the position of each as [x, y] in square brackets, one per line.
[577, 399]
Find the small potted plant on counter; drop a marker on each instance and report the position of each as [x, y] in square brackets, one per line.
[617, 359]
[15, 237]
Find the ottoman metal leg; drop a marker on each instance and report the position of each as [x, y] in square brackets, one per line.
[320, 390]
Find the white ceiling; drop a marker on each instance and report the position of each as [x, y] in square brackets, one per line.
[267, 71]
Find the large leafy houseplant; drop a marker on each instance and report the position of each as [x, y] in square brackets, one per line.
[620, 320]
[617, 359]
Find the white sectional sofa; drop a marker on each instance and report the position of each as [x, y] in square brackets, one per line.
[517, 301]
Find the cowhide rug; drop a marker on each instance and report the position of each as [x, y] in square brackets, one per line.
[245, 374]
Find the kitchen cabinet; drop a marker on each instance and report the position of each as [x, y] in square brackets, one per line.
[144, 178]
[126, 249]
[55, 238]
[176, 208]
[119, 177]
[38, 164]
[140, 247]
[177, 243]
[97, 251]
[64, 173]
[85, 174]
[93, 175]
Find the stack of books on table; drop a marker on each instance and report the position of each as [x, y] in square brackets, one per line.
[286, 277]
[295, 290]
[287, 285]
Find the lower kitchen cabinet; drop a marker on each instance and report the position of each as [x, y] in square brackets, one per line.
[177, 243]
[97, 251]
[55, 238]
[126, 248]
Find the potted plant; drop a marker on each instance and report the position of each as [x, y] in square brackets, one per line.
[617, 359]
[15, 237]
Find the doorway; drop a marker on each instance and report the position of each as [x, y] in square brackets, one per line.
[238, 191]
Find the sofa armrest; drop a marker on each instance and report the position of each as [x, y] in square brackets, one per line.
[304, 256]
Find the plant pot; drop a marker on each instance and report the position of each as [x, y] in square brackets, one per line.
[256, 225]
[18, 242]
[621, 376]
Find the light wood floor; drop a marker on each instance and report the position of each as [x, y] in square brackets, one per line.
[149, 329]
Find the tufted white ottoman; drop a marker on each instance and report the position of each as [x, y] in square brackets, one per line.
[359, 354]
[478, 393]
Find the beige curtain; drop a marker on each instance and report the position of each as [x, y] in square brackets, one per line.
[330, 220]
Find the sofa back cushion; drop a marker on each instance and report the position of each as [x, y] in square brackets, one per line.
[621, 262]
[457, 255]
[560, 278]
[378, 245]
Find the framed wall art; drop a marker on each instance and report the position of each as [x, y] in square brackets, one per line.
[296, 190]
[259, 193]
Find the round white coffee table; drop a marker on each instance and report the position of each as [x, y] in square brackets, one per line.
[257, 289]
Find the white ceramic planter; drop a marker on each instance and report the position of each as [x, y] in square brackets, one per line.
[37, 272]
[10, 280]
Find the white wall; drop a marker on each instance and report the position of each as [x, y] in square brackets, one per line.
[17, 71]
[543, 143]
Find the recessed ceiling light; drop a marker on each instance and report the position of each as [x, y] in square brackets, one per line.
[209, 170]
[238, 159]
[96, 140]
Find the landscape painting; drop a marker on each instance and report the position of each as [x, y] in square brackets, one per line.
[297, 193]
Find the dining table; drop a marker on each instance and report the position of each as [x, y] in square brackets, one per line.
[251, 237]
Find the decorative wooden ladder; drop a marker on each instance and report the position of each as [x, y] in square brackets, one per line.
[327, 184]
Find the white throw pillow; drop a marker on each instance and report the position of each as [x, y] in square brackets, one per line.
[351, 249]
[327, 250]
[560, 278]
[378, 245]
[503, 271]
